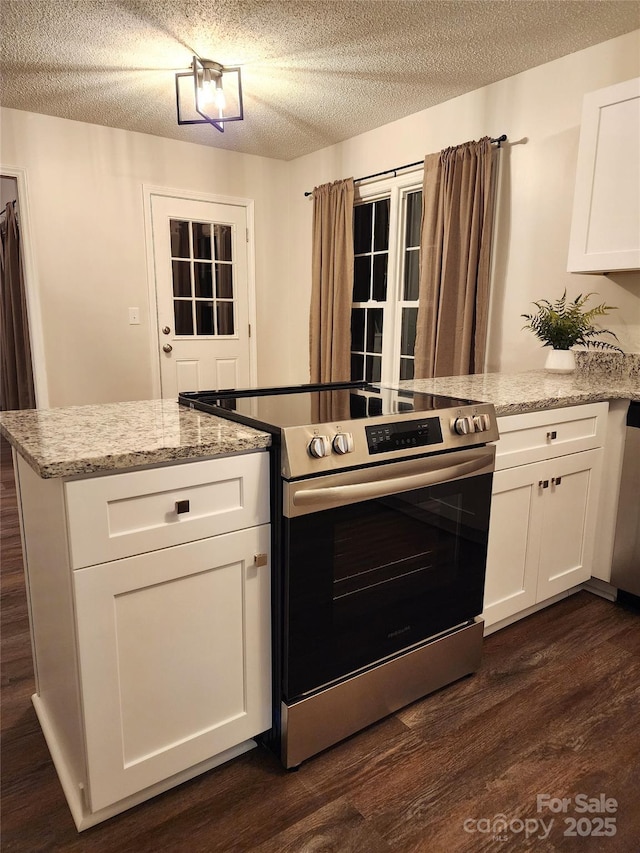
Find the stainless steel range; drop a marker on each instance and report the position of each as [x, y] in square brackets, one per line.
[380, 512]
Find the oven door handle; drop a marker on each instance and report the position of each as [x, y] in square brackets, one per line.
[314, 500]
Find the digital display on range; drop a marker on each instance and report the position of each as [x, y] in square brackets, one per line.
[403, 436]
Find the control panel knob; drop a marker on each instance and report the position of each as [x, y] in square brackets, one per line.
[464, 426]
[343, 443]
[481, 422]
[319, 446]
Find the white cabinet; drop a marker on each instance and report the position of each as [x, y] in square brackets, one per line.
[174, 651]
[543, 513]
[150, 605]
[605, 228]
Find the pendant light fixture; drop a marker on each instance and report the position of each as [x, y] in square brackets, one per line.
[210, 90]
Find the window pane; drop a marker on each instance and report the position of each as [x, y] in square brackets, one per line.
[357, 367]
[204, 280]
[224, 311]
[408, 339]
[406, 368]
[374, 407]
[357, 329]
[411, 275]
[201, 240]
[179, 231]
[222, 240]
[374, 330]
[381, 229]
[181, 278]
[362, 279]
[380, 277]
[414, 216]
[374, 368]
[204, 318]
[183, 317]
[224, 281]
[362, 217]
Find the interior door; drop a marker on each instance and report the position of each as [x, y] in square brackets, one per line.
[201, 281]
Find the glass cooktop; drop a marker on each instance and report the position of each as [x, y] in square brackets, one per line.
[306, 405]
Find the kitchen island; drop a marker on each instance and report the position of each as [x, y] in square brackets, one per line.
[146, 542]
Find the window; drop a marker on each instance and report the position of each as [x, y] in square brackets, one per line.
[386, 243]
[202, 274]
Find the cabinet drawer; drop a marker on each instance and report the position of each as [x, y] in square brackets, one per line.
[131, 513]
[536, 436]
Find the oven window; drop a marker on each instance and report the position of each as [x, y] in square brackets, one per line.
[403, 539]
[365, 581]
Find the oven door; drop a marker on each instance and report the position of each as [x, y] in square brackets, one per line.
[380, 559]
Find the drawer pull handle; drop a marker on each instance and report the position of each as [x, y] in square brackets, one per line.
[551, 435]
[543, 484]
[182, 506]
[260, 560]
[555, 481]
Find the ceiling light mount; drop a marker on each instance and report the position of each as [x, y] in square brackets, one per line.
[210, 90]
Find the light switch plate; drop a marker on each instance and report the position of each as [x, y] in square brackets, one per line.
[134, 316]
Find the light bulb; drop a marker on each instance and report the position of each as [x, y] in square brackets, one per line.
[219, 98]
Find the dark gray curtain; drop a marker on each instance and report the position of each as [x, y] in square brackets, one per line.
[16, 373]
[455, 251]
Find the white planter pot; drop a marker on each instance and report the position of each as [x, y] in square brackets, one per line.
[560, 361]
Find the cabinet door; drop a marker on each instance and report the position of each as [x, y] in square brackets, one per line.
[514, 542]
[605, 228]
[570, 519]
[175, 654]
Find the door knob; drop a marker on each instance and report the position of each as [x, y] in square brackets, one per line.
[166, 330]
[167, 348]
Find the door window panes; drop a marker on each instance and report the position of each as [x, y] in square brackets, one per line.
[179, 238]
[183, 316]
[202, 273]
[204, 280]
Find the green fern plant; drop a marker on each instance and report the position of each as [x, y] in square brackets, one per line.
[563, 324]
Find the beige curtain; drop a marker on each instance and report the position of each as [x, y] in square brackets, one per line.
[16, 376]
[457, 222]
[332, 282]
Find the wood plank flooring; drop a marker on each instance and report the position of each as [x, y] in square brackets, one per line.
[554, 709]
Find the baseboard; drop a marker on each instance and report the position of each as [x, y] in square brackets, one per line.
[601, 588]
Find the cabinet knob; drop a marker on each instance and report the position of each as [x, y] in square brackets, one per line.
[260, 560]
[543, 484]
[182, 506]
[555, 481]
[551, 435]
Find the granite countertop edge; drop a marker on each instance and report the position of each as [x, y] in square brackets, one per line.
[79, 441]
[114, 437]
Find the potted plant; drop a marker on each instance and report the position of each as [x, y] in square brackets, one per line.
[563, 324]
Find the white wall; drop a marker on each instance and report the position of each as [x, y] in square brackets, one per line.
[542, 106]
[87, 226]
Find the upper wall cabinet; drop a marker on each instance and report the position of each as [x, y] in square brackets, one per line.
[605, 230]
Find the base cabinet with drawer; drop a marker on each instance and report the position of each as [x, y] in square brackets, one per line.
[544, 511]
[154, 665]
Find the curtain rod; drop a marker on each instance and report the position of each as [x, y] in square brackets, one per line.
[498, 140]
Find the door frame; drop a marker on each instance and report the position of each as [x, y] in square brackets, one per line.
[34, 312]
[149, 191]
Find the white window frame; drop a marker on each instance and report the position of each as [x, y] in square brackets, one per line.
[396, 189]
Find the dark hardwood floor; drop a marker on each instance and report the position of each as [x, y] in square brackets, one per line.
[554, 709]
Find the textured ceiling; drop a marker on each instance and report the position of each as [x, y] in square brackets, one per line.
[313, 72]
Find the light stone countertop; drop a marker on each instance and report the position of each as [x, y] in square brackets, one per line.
[77, 440]
[532, 390]
[82, 440]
